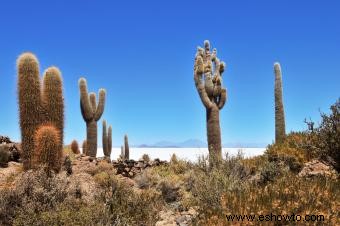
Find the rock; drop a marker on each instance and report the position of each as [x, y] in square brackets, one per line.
[317, 168]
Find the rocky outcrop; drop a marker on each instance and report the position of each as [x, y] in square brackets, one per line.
[130, 168]
[11, 149]
[171, 218]
[318, 168]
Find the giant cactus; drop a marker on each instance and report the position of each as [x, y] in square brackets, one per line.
[107, 140]
[208, 81]
[38, 106]
[280, 127]
[91, 113]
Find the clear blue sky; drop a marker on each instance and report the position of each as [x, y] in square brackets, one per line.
[142, 52]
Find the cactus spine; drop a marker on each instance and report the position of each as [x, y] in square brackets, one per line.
[38, 106]
[280, 127]
[208, 83]
[48, 149]
[107, 140]
[91, 113]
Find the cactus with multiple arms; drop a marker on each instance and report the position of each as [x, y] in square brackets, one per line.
[91, 113]
[38, 106]
[107, 140]
[208, 83]
[280, 125]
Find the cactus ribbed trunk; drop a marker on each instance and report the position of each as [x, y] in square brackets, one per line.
[91, 113]
[208, 82]
[280, 127]
[214, 131]
[91, 132]
[126, 148]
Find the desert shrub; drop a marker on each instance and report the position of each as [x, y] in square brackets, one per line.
[292, 151]
[133, 208]
[146, 158]
[4, 156]
[34, 192]
[169, 189]
[146, 179]
[102, 166]
[75, 147]
[269, 172]
[326, 137]
[68, 165]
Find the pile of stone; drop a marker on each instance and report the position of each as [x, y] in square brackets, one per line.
[318, 168]
[9, 151]
[171, 218]
[130, 168]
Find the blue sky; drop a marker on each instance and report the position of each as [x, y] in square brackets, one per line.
[142, 52]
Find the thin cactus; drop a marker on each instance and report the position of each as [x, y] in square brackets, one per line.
[84, 147]
[208, 82]
[91, 113]
[126, 148]
[122, 152]
[280, 126]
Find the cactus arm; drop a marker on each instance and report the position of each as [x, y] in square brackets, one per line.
[85, 104]
[101, 104]
[109, 141]
[93, 101]
[198, 72]
[223, 98]
[105, 141]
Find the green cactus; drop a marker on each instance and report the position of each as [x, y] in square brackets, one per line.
[126, 148]
[107, 140]
[48, 150]
[280, 125]
[91, 113]
[38, 106]
[208, 83]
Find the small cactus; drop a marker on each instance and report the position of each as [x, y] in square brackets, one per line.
[122, 152]
[91, 113]
[126, 148]
[75, 147]
[48, 150]
[280, 126]
[107, 140]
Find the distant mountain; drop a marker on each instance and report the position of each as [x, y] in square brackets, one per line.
[245, 145]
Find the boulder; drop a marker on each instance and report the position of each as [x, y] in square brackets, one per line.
[318, 168]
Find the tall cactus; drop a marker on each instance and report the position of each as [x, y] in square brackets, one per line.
[53, 100]
[91, 113]
[208, 82]
[107, 140]
[280, 125]
[126, 148]
[38, 106]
